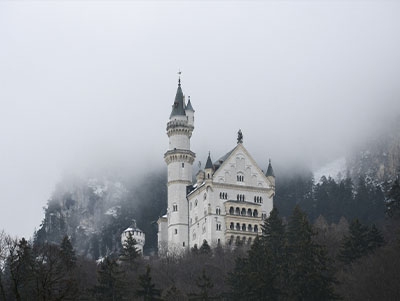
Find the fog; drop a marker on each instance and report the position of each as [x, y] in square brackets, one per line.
[89, 85]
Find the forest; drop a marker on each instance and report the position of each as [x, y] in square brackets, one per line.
[316, 252]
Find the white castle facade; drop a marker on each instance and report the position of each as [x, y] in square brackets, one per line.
[229, 199]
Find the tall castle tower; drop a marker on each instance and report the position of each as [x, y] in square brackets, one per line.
[179, 159]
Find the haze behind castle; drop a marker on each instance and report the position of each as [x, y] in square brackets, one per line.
[305, 83]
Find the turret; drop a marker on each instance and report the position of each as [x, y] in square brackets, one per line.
[270, 173]
[209, 169]
[189, 112]
[179, 159]
[136, 234]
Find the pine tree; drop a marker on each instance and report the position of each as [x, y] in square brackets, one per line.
[110, 279]
[173, 294]
[239, 278]
[310, 271]
[205, 286]
[147, 288]
[205, 248]
[67, 253]
[393, 203]
[195, 250]
[375, 238]
[262, 274]
[129, 252]
[355, 245]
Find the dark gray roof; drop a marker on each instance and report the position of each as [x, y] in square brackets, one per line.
[209, 162]
[221, 160]
[270, 171]
[178, 108]
[189, 106]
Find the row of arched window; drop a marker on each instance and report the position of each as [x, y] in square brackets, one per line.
[240, 197]
[258, 199]
[243, 212]
[243, 227]
[223, 195]
[239, 240]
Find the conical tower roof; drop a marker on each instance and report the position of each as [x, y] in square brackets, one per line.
[209, 162]
[270, 170]
[178, 108]
[189, 106]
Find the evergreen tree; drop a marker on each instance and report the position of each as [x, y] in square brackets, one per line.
[205, 248]
[129, 252]
[355, 245]
[195, 250]
[310, 272]
[110, 281]
[67, 253]
[262, 274]
[239, 278]
[173, 294]
[21, 270]
[393, 203]
[147, 288]
[375, 238]
[205, 286]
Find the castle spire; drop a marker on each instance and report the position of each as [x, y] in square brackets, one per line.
[209, 162]
[270, 171]
[189, 105]
[178, 108]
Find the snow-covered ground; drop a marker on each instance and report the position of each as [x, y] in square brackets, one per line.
[333, 169]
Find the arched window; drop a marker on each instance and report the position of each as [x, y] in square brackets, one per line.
[238, 197]
[243, 211]
[237, 211]
[249, 228]
[255, 213]
[244, 227]
[232, 226]
[256, 228]
[249, 240]
[208, 175]
[176, 231]
[249, 213]
[255, 199]
[231, 211]
[174, 207]
[231, 239]
[237, 226]
[218, 227]
[218, 211]
[195, 203]
[261, 200]
[226, 196]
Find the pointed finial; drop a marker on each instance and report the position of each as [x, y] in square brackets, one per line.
[240, 137]
[179, 79]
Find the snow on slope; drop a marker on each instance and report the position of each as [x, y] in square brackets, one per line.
[334, 169]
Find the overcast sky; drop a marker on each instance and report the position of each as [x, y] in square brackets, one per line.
[89, 84]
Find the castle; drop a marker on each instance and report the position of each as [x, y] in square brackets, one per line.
[229, 199]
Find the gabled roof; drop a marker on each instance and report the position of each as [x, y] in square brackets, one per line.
[178, 108]
[270, 171]
[221, 160]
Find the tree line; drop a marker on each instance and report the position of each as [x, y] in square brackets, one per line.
[292, 259]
